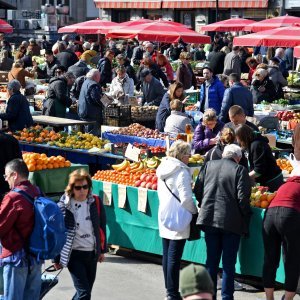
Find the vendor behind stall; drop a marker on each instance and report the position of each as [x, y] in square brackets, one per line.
[262, 163]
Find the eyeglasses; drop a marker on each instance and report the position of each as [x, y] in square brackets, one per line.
[79, 187]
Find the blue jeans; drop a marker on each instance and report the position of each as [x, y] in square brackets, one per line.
[220, 243]
[83, 267]
[172, 253]
[19, 284]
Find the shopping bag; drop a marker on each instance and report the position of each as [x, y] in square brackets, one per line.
[48, 280]
[295, 164]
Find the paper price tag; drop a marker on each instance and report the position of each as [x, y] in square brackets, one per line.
[107, 193]
[133, 153]
[121, 196]
[142, 200]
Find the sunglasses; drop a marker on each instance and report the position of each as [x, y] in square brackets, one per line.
[79, 187]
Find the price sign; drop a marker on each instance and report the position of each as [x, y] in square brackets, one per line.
[132, 153]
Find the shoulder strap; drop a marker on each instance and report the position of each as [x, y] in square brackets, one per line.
[171, 191]
[24, 194]
[97, 203]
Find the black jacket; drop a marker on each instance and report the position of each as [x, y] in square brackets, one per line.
[130, 71]
[9, 150]
[49, 70]
[223, 192]
[262, 161]
[67, 58]
[17, 113]
[105, 68]
[216, 61]
[79, 69]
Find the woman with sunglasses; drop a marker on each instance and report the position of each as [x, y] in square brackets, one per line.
[185, 73]
[85, 221]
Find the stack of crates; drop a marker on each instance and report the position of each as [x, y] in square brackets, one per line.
[117, 115]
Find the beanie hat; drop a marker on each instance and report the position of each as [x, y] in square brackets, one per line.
[195, 279]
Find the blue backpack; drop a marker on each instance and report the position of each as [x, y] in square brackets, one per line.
[49, 232]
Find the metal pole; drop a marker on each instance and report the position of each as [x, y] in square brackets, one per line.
[217, 10]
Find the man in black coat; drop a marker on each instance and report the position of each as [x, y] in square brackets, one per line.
[216, 60]
[223, 191]
[66, 57]
[79, 69]
[9, 150]
[51, 64]
[17, 111]
[105, 68]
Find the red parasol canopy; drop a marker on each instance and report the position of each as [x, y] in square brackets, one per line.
[272, 23]
[5, 27]
[159, 31]
[235, 24]
[297, 52]
[279, 37]
[89, 27]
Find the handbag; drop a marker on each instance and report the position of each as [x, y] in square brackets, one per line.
[194, 228]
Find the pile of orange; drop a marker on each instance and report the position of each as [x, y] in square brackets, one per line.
[284, 164]
[36, 134]
[121, 177]
[37, 162]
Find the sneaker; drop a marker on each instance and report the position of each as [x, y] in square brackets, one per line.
[237, 285]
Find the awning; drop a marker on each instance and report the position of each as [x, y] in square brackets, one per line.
[127, 4]
[212, 4]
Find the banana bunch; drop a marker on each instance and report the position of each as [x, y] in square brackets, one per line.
[196, 159]
[152, 163]
[122, 166]
[137, 167]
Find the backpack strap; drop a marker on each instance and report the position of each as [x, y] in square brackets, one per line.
[101, 232]
[24, 194]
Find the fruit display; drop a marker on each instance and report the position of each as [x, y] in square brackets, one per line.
[143, 113]
[285, 115]
[284, 165]
[139, 130]
[260, 197]
[190, 108]
[293, 79]
[153, 149]
[78, 140]
[37, 162]
[147, 163]
[135, 174]
[196, 159]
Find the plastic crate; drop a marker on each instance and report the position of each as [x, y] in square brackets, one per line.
[116, 121]
[194, 97]
[123, 111]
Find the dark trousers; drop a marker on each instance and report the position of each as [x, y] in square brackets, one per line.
[281, 227]
[172, 253]
[83, 267]
[220, 243]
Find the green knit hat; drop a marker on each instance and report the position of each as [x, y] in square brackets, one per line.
[195, 279]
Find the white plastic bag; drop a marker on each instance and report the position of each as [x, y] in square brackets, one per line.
[175, 217]
[295, 164]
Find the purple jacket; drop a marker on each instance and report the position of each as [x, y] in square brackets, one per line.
[202, 136]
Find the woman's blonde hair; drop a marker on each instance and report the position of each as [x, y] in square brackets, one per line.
[227, 136]
[78, 175]
[184, 55]
[209, 115]
[179, 149]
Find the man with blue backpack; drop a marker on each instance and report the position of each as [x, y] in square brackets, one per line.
[31, 230]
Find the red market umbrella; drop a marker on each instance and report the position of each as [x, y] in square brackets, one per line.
[235, 24]
[159, 31]
[279, 37]
[5, 27]
[272, 23]
[90, 27]
[297, 52]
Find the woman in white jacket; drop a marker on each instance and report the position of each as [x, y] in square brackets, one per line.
[121, 86]
[176, 207]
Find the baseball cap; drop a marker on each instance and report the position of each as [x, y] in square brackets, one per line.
[195, 279]
[145, 73]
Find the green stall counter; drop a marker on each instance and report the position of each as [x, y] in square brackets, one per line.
[54, 180]
[133, 229]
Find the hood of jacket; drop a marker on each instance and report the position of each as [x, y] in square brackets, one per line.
[169, 166]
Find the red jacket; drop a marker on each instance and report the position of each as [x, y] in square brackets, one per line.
[288, 195]
[16, 219]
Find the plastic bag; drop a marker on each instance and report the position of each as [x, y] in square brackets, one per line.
[295, 164]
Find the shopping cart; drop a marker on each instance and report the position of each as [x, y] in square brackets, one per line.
[49, 280]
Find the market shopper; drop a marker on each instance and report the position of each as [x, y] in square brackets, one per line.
[165, 66]
[175, 212]
[281, 227]
[79, 69]
[262, 163]
[58, 98]
[232, 62]
[85, 220]
[152, 89]
[178, 120]
[105, 68]
[185, 73]
[122, 60]
[21, 274]
[89, 104]
[237, 117]
[195, 283]
[5, 61]
[51, 64]
[252, 63]
[17, 111]
[207, 132]
[175, 92]
[65, 56]
[211, 92]
[223, 190]
[237, 94]
[296, 141]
